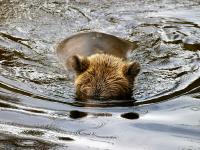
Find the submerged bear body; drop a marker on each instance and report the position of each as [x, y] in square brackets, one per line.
[99, 61]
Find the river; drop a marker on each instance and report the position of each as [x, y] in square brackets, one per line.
[37, 105]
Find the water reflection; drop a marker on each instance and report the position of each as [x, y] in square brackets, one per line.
[175, 130]
[130, 115]
[65, 138]
[75, 114]
[37, 105]
[33, 132]
[9, 142]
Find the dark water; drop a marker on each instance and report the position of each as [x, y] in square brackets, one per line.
[37, 106]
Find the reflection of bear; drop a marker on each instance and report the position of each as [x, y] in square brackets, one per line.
[98, 60]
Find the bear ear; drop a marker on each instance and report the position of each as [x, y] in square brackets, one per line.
[78, 63]
[132, 69]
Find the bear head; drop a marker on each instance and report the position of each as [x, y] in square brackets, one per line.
[103, 76]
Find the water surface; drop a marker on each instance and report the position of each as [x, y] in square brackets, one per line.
[37, 105]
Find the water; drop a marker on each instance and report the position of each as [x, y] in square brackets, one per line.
[37, 106]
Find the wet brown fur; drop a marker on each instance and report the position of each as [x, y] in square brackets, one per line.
[105, 77]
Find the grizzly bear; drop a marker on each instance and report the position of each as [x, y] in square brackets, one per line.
[99, 61]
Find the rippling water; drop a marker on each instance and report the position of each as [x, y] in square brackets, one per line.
[37, 106]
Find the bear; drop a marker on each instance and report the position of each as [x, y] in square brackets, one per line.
[100, 64]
